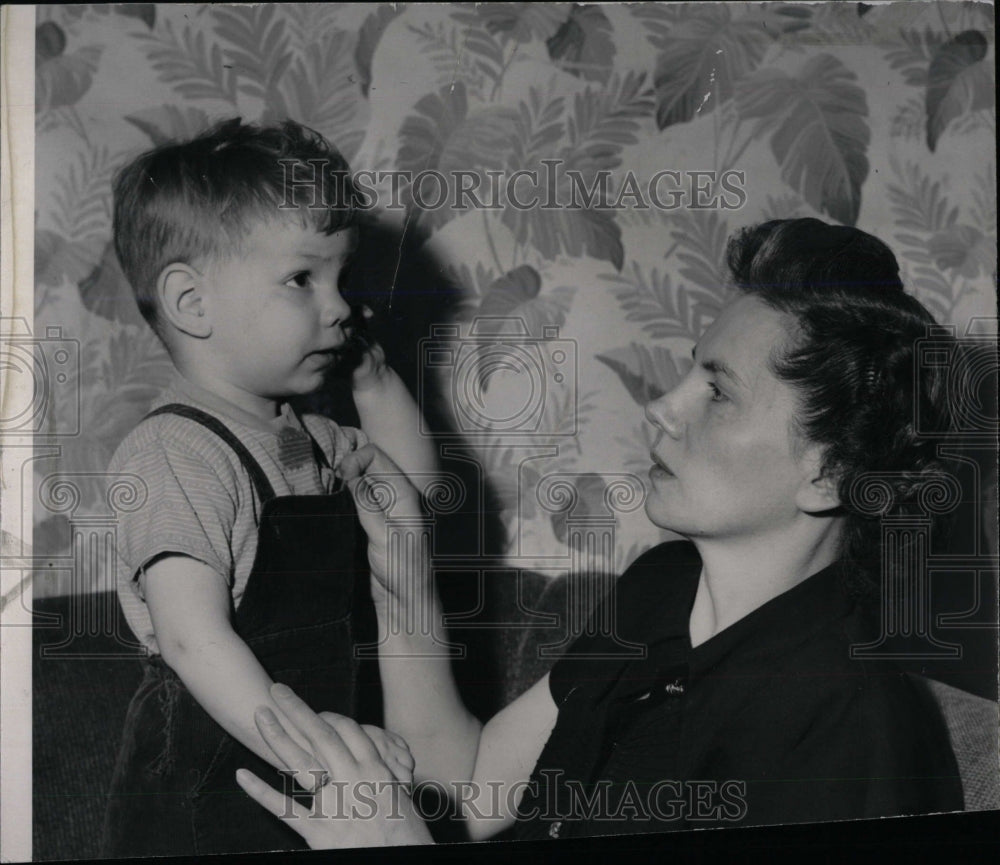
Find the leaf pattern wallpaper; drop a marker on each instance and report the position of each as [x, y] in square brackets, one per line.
[880, 116]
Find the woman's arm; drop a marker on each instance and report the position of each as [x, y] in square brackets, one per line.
[509, 747]
[422, 703]
[483, 768]
[391, 418]
[378, 808]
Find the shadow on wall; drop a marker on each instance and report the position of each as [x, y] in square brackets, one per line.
[406, 287]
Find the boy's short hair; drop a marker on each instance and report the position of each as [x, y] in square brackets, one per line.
[184, 201]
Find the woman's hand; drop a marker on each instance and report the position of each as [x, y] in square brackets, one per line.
[371, 369]
[346, 440]
[391, 747]
[383, 494]
[362, 804]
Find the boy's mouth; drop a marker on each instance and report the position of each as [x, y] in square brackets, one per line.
[354, 346]
[327, 355]
[347, 353]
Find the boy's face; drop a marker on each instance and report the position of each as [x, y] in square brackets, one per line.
[277, 317]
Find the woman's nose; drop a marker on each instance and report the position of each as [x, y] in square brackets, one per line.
[662, 413]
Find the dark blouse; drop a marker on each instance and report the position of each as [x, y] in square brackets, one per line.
[770, 721]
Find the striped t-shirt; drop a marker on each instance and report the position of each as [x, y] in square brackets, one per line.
[200, 501]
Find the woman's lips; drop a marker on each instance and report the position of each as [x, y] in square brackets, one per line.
[660, 464]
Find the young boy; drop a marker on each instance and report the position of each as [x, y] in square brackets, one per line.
[240, 568]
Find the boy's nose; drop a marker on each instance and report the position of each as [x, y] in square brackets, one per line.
[335, 310]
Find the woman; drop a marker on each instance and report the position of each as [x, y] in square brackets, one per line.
[748, 707]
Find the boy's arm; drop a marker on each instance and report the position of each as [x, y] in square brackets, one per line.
[189, 605]
[391, 419]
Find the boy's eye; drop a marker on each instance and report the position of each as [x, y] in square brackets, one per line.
[299, 280]
[717, 395]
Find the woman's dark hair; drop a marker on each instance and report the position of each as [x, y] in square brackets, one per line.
[852, 361]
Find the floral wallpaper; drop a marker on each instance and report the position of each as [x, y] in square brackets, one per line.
[880, 116]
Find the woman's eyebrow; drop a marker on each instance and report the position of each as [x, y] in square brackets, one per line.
[717, 367]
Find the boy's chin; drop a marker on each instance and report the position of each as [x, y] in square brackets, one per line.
[302, 386]
[314, 385]
[343, 367]
[319, 379]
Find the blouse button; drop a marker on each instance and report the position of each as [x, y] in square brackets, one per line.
[554, 829]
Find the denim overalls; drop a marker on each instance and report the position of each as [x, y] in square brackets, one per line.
[174, 790]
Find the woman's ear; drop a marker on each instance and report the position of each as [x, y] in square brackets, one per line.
[818, 490]
[180, 291]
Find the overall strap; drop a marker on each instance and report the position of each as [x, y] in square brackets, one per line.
[263, 486]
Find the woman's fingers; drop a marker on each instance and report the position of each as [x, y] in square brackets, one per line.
[369, 459]
[305, 720]
[358, 437]
[316, 832]
[339, 742]
[378, 484]
[353, 736]
[333, 743]
[281, 806]
[307, 770]
[346, 441]
[357, 462]
[399, 740]
[364, 788]
[394, 751]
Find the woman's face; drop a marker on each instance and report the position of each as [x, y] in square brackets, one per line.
[725, 463]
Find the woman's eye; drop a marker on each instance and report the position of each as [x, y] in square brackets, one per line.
[299, 280]
[717, 395]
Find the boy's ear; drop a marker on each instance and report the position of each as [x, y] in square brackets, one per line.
[180, 292]
[818, 491]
